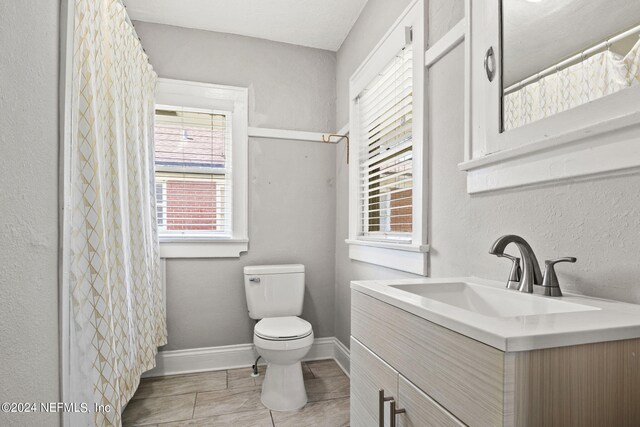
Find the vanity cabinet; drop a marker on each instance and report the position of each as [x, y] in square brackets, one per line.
[443, 378]
[370, 375]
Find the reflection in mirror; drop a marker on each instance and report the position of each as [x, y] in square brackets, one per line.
[559, 54]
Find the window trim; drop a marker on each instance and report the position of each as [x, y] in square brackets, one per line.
[411, 256]
[194, 95]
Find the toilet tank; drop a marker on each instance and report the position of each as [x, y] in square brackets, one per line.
[274, 290]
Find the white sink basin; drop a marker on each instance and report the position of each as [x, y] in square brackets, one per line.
[491, 302]
[506, 319]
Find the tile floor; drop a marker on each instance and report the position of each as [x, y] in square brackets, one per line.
[232, 398]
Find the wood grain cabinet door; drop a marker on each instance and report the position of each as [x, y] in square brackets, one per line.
[369, 374]
[421, 410]
[461, 374]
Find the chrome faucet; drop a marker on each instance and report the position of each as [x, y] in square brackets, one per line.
[531, 274]
[550, 282]
[523, 279]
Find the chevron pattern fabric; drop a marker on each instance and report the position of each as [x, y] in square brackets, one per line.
[597, 76]
[117, 308]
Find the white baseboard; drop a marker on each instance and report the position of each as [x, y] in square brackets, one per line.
[322, 348]
[342, 356]
[237, 356]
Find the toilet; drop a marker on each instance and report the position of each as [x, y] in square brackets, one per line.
[275, 294]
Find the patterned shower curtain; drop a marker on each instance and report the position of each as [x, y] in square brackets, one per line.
[597, 76]
[117, 317]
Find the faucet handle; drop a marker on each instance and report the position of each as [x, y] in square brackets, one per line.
[516, 271]
[550, 280]
[557, 260]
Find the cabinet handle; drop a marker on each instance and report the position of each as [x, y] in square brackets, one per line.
[393, 412]
[489, 69]
[381, 399]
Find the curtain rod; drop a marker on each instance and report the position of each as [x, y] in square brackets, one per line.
[572, 60]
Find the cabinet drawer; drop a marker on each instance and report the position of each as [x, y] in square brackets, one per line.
[461, 374]
[369, 374]
[421, 410]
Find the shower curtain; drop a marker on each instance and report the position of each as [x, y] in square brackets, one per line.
[117, 317]
[599, 75]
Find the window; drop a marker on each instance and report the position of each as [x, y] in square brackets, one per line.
[192, 159]
[387, 165]
[200, 169]
[160, 204]
[385, 110]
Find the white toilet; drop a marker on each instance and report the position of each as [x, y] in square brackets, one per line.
[275, 294]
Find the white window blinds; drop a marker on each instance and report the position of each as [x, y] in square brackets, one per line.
[384, 111]
[193, 172]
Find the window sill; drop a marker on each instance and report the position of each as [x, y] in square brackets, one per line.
[194, 248]
[398, 256]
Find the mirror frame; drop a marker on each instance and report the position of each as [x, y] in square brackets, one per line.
[598, 138]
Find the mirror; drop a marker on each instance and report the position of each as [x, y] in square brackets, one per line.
[559, 54]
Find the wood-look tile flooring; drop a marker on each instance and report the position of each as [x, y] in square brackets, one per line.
[232, 398]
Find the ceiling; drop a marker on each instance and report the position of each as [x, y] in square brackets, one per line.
[322, 24]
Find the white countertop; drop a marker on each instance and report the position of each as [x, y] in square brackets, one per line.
[607, 321]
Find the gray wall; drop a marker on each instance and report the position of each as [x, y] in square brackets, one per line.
[298, 192]
[291, 183]
[290, 87]
[28, 207]
[374, 21]
[596, 220]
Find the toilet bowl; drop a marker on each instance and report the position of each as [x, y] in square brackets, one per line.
[275, 295]
[283, 342]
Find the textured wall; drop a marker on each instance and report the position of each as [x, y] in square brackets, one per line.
[28, 207]
[374, 21]
[596, 220]
[443, 15]
[291, 183]
[290, 87]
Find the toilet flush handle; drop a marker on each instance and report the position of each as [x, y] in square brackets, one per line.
[255, 279]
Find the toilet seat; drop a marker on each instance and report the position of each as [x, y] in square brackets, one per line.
[283, 328]
[283, 333]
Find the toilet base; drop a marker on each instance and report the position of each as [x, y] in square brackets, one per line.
[283, 387]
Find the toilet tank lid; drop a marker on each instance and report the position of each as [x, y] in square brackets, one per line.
[274, 269]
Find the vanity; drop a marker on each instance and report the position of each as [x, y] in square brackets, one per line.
[552, 94]
[467, 351]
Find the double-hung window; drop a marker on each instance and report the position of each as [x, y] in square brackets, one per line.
[388, 160]
[200, 169]
[385, 120]
[193, 172]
